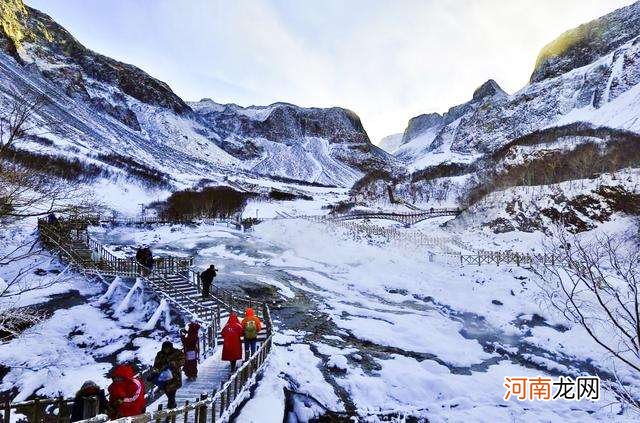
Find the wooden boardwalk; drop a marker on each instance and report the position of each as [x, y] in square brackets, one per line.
[213, 395]
[212, 373]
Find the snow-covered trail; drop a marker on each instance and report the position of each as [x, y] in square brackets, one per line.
[368, 330]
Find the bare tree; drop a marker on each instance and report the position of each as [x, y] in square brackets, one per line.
[25, 194]
[21, 120]
[596, 284]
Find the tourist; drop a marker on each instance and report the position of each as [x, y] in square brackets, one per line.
[126, 393]
[207, 280]
[144, 258]
[191, 348]
[251, 325]
[232, 341]
[168, 366]
[89, 401]
[52, 219]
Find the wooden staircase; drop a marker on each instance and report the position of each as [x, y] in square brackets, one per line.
[173, 279]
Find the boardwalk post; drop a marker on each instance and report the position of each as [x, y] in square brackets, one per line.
[36, 411]
[221, 398]
[159, 413]
[186, 411]
[63, 412]
[7, 411]
[202, 417]
[213, 406]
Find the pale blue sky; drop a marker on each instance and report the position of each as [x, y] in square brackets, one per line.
[387, 60]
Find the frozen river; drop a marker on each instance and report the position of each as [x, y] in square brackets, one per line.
[380, 333]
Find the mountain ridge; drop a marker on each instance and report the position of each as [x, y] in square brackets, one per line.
[320, 145]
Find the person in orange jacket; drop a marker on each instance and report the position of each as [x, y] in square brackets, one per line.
[251, 325]
[126, 393]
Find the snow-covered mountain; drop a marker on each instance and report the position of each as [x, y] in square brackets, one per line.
[391, 143]
[584, 75]
[109, 107]
[584, 91]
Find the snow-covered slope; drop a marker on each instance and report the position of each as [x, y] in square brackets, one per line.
[390, 143]
[114, 108]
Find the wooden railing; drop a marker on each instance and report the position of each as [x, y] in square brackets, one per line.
[222, 401]
[406, 218]
[96, 219]
[509, 257]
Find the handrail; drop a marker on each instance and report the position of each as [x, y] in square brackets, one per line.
[223, 401]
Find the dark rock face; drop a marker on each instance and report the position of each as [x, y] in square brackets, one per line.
[587, 43]
[420, 124]
[488, 89]
[282, 122]
[293, 126]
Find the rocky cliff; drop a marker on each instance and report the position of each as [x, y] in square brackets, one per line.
[328, 146]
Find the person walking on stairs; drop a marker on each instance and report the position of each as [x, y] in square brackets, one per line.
[232, 341]
[126, 393]
[168, 366]
[207, 280]
[89, 401]
[144, 257]
[251, 325]
[191, 348]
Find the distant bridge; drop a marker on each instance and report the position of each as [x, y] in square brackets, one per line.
[406, 219]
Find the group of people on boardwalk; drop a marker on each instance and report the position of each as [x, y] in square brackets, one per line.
[233, 332]
[127, 391]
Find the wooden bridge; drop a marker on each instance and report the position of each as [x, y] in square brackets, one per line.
[214, 395]
[406, 219]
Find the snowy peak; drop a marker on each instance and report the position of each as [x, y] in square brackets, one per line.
[587, 43]
[121, 110]
[420, 124]
[31, 36]
[488, 89]
[283, 122]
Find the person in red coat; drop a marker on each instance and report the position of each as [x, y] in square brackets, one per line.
[126, 393]
[191, 348]
[232, 342]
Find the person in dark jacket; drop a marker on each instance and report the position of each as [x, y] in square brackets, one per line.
[144, 257]
[52, 218]
[172, 359]
[89, 401]
[207, 280]
[191, 348]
